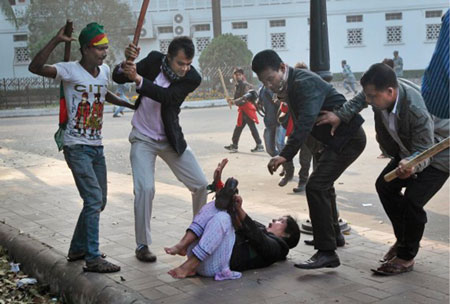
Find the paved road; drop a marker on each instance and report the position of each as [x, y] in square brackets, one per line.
[38, 196]
[207, 131]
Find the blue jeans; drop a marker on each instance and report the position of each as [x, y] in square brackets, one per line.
[88, 167]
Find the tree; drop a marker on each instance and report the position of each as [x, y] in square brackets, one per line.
[224, 52]
[45, 17]
[7, 10]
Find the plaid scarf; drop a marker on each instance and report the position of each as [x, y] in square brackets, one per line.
[170, 74]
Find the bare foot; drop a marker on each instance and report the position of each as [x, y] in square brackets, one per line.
[177, 249]
[181, 273]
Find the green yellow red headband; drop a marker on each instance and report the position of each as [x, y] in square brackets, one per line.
[92, 35]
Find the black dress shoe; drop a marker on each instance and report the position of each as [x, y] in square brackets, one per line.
[340, 241]
[145, 255]
[321, 259]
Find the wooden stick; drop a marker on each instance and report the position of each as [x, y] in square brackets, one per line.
[68, 32]
[140, 22]
[420, 158]
[225, 91]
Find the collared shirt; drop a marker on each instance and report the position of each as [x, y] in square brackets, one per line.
[390, 121]
[147, 118]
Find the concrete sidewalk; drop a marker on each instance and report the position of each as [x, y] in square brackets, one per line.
[39, 198]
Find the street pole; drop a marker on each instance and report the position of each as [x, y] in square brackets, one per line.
[319, 54]
[217, 18]
[319, 62]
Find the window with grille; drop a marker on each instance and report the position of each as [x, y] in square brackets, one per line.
[21, 55]
[17, 38]
[394, 16]
[277, 23]
[243, 38]
[278, 40]
[354, 18]
[202, 27]
[239, 25]
[393, 34]
[355, 36]
[164, 45]
[165, 29]
[433, 14]
[432, 31]
[202, 43]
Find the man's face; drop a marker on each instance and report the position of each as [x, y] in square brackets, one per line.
[278, 226]
[395, 54]
[96, 54]
[180, 64]
[381, 99]
[238, 76]
[273, 79]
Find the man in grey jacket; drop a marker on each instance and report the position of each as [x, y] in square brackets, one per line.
[404, 129]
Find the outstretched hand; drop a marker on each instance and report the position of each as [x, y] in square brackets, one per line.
[218, 172]
[328, 117]
[274, 163]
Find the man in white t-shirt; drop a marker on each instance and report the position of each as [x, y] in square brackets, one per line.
[85, 89]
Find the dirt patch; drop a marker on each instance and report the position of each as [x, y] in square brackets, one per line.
[15, 287]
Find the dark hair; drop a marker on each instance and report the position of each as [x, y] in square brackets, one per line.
[292, 231]
[389, 62]
[238, 70]
[344, 61]
[264, 60]
[181, 43]
[381, 76]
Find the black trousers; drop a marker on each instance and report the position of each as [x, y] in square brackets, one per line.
[320, 191]
[238, 130]
[405, 210]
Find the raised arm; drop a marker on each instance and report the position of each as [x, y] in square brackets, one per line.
[38, 64]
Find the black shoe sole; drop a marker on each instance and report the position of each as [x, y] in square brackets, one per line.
[328, 265]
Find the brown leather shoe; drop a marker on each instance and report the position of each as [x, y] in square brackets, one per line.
[145, 255]
[392, 253]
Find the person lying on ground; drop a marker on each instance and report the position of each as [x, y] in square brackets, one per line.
[255, 245]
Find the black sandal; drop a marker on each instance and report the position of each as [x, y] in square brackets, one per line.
[72, 257]
[100, 265]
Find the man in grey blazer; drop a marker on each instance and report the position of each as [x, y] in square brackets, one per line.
[404, 128]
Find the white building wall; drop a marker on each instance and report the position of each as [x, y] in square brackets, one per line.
[414, 49]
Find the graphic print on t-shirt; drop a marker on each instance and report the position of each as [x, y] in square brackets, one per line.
[88, 119]
[85, 97]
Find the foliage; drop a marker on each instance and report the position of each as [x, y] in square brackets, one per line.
[45, 17]
[224, 52]
[7, 10]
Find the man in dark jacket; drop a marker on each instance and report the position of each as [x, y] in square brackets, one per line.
[163, 82]
[307, 94]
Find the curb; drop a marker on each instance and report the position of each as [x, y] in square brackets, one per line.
[108, 109]
[67, 280]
